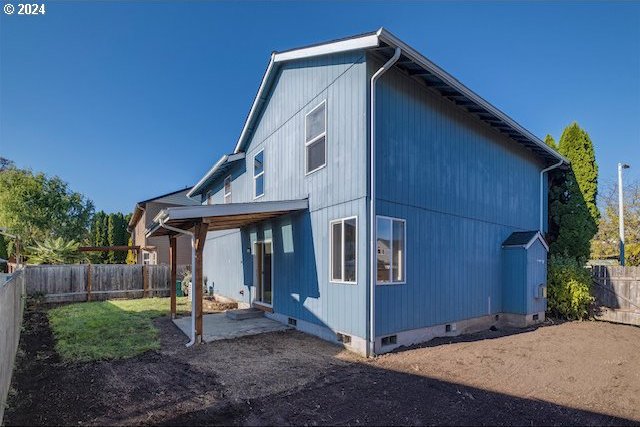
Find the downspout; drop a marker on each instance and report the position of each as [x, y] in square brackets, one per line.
[193, 270]
[542, 172]
[372, 198]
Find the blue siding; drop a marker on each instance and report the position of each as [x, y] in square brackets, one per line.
[301, 252]
[463, 188]
[223, 264]
[514, 281]
[536, 276]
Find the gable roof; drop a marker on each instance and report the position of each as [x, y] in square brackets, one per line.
[383, 43]
[524, 239]
[178, 198]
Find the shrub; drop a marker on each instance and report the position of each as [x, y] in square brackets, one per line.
[569, 288]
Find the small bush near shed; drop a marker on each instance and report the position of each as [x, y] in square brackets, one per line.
[569, 288]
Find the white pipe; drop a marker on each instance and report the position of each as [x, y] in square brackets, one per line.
[372, 198]
[193, 272]
[542, 172]
[621, 211]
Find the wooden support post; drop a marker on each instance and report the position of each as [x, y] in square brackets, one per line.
[172, 280]
[88, 282]
[200, 234]
[145, 281]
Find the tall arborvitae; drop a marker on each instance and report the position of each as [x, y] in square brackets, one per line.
[575, 144]
[572, 196]
[550, 142]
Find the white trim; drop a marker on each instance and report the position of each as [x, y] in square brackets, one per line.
[414, 55]
[255, 177]
[373, 41]
[254, 107]
[262, 242]
[227, 158]
[342, 281]
[316, 138]
[224, 189]
[362, 42]
[539, 237]
[230, 209]
[404, 255]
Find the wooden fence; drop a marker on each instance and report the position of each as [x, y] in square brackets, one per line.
[11, 309]
[617, 292]
[89, 282]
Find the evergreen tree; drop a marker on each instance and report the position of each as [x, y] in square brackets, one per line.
[575, 144]
[550, 142]
[572, 194]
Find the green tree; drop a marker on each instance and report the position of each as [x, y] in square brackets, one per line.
[572, 194]
[37, 207]
[54, 251]
[550, 142]
[576, 145]
[605, 244]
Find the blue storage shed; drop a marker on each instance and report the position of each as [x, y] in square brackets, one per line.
[524, 284]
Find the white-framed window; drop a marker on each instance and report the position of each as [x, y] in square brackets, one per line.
[315, 138]
[343, 250]
[258, 174]
[391, 248]
[148, 258]
[227, 189]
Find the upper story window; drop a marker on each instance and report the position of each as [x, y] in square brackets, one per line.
[227, 189]
[258, 174]
[391, 244]
[344, 250]
[316, 138]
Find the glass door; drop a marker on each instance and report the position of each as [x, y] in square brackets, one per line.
[263, 272]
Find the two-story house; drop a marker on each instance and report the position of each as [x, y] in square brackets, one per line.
[375, 201]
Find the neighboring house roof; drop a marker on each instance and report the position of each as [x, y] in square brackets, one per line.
[524, 239]
[178, 198]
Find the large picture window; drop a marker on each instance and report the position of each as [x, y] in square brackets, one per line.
[316, 138]
[344, 250]
[258, 175]
[227, 189]
[391, 249]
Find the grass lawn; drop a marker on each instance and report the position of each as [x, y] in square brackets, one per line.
[109, 329]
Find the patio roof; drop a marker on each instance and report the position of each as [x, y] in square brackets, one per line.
[222, 216]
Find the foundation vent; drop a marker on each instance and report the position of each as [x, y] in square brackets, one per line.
[343, 338]
[450, 328]
[292, 322]
[390, 340]
[536, 317]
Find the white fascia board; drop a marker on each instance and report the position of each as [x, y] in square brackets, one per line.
[254, 107]
[538, 236]
[408, 51]
[230, 209]
[227, 158]
[363, 42]
[200, 183]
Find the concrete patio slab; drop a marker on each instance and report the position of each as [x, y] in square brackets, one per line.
[219, 327]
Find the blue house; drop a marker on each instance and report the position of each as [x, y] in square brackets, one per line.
[373, 200]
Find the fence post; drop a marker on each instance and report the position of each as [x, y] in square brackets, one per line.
[145, 281]
[88, 282]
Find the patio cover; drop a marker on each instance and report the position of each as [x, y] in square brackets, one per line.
[197, 221]
[222, 216]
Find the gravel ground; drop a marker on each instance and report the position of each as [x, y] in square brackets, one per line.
[585, 373]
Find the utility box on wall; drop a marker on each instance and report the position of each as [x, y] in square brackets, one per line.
[524, 275]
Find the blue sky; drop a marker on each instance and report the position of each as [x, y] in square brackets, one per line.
[92, 90]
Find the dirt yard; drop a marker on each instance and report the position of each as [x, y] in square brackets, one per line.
[573, 373]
